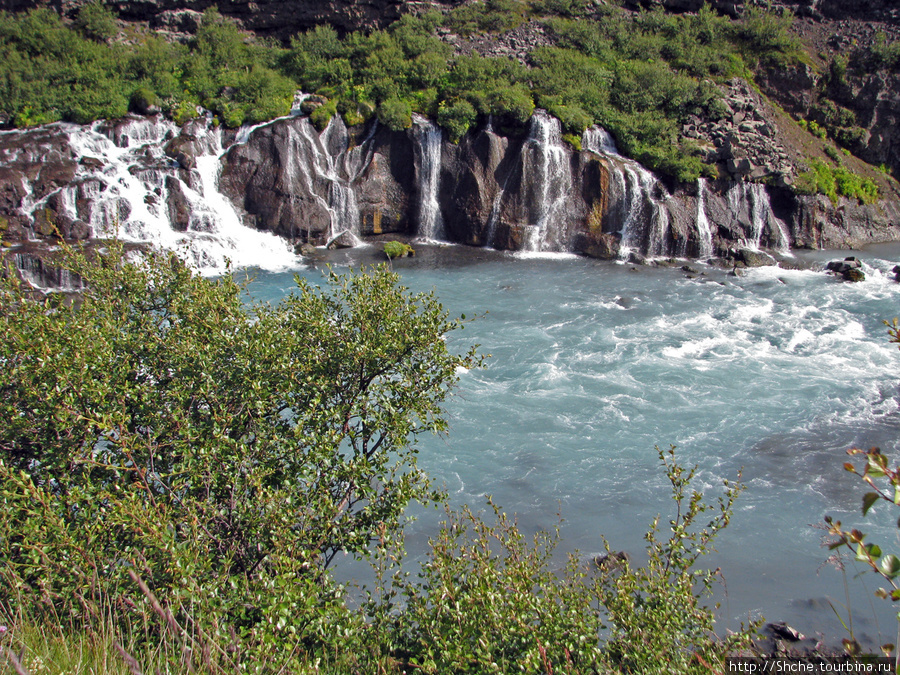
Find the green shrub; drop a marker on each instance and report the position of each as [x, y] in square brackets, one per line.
[97, 22]
[657, 618]
[490, 599]
[322, 115]
[833, 181]
[170, 438]
[833, 154]
[143, 99]
[456, 118]
[396, 114]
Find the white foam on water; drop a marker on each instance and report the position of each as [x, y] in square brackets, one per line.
[129, 197]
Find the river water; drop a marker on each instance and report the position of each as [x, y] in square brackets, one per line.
[593, 364]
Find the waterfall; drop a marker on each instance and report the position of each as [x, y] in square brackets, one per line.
[753, 199]
[337, 165]
[598, 140]
[704, 231]
[428, 138]
[43, 276]
[641, 198]
[125, 191]
[552, 183]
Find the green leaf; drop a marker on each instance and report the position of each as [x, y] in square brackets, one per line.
[890, 566]
[868, 500]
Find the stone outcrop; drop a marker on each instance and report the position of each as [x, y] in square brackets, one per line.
[744, 140]
[875, 10]
[151, 181]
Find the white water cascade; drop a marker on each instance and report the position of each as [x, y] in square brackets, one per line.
[704, 231]
[752, 199]
[339, 166]
[428, 147]
[641, 198]
[124, 191]
[552, 181]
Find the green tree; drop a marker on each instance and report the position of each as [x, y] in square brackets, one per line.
[225, 452]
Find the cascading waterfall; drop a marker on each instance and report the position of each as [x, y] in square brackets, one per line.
[753, 199]
[339, 166]
[600, 141]
[644, 215]
[552, 182]
[428, 147]
[704, 231]
[125, 194]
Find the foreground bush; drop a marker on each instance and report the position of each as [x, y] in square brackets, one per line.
[158, 429]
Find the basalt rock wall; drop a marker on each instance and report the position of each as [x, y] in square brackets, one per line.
[236, 196]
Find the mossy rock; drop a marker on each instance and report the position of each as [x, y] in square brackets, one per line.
[397, 249]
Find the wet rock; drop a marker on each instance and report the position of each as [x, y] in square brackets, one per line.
[613, 561]
[782, 631]
[604, 246]
[752, 258]
[848, 268]
[343, 239]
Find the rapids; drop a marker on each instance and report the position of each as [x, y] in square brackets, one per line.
[593, 364]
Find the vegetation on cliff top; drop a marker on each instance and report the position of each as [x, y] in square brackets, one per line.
[639, 75]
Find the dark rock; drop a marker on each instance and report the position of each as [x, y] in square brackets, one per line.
[613, 561]
[604, 246]
[344, 239]
[848, 268]
[753, 258]
[783, 631]
[178, 205]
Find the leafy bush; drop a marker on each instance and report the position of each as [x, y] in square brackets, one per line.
[832, 181]
[657, 619]
[396, 114]
[885, 54]
[456, 118]
[143, 99]
[225, 453]
[490, 599]
[97, 22]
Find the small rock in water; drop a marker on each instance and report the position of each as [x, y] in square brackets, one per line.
[896, 272]
[785, 632]
[848, 268]
[609, 562]
[753, 258]
[689, 269]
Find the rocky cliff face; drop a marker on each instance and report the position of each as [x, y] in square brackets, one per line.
[248, 196]
[872, 10]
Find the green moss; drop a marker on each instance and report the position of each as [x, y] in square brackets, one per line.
[397, 249]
